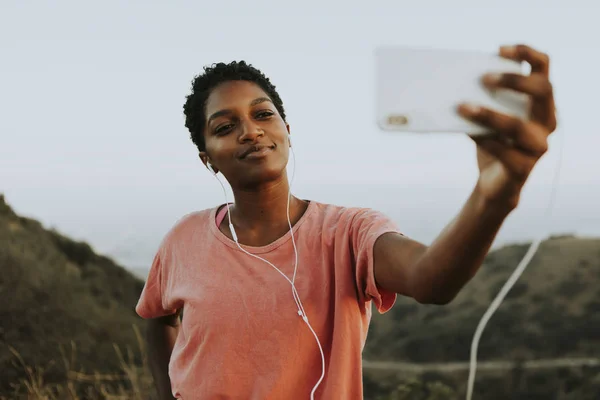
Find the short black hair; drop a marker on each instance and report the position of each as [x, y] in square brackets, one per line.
[202, 85]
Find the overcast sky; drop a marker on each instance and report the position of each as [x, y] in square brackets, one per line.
[92, 139]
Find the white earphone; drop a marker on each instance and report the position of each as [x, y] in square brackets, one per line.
[514, 277]
[301, 312]
[210, 168]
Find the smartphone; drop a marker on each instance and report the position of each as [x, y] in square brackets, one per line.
[419, 89]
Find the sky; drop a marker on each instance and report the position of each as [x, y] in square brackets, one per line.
[92, 135]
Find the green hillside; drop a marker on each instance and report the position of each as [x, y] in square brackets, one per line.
[552, 311]
[54, 292]
[64, 308]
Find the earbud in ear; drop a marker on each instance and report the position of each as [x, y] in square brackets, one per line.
[210, 168]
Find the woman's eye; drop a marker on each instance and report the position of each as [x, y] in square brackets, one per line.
[223, 128]
[264, 114]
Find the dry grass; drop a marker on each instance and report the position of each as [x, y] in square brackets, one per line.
[132, 382]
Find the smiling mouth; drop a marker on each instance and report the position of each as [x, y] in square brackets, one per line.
[257, 152]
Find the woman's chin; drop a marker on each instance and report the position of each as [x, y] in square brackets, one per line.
[262, 174]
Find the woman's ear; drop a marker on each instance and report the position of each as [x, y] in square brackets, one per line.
[203, 157]
[206, 161]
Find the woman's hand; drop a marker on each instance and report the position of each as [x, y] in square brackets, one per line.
[507, 158]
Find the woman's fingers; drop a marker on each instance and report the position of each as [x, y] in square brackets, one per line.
[527, 136]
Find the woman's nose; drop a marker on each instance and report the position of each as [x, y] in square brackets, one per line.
[250, 131]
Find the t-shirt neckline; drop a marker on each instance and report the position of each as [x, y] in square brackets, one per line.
[257, 249]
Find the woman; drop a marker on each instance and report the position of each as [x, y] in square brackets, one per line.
[275, 315]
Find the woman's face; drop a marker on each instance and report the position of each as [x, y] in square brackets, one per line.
[246, 138]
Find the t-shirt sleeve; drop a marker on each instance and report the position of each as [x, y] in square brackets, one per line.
[151, 303]
[368, 225]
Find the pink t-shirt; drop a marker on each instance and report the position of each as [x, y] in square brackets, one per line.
[240, 336]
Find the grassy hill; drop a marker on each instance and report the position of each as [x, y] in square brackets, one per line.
[56, 293]
[552, 312]
[59, 300]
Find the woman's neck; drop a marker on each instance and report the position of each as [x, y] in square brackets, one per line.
[266, 207]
